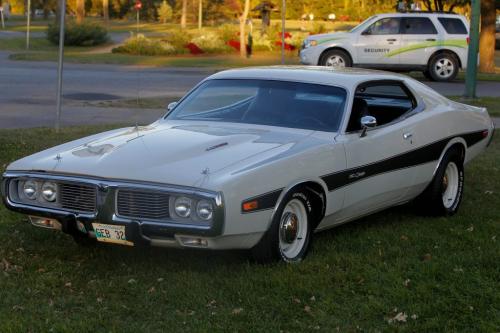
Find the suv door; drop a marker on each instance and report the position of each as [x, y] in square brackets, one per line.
[378, 40]
[419, 40]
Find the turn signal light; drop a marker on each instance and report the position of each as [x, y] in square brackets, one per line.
[485, 133]
[43, 222]
[250, 205]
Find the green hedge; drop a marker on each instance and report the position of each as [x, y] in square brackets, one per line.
[79, 34]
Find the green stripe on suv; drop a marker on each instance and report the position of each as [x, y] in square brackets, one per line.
[461, 43]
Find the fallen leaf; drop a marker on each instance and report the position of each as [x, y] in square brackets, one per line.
[404, 237]
[17, 308]
[237, 311]
[99, 299]
[296, 300]
[152, 290]
[312, 299]
[488, 192]
[160, 280]
[458, 269]
[407, 282]
[414, 316]
[307, 308]
[427, 257]
[470, 229]
[400, 318]
[41, 270]
[67, 284]
[132, 281]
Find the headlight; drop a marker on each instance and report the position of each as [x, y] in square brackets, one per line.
[30, 189]
[49, 191]
[309, 43]
[182, 206]
[204, 210]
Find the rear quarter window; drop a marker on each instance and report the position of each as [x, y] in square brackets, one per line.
[453, 26]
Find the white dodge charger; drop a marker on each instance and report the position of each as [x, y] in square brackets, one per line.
[259, 159]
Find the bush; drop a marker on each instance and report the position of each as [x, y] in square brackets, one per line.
[178, 38]
[82, 34]
[140, 45]
[211, 43]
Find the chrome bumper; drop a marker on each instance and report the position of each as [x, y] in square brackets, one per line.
[140, 231]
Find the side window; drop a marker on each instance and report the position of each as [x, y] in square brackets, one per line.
[384, 100]
[385, 26]
[453, 26]
[418, 26]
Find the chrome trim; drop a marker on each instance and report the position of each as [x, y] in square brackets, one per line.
[106, 203]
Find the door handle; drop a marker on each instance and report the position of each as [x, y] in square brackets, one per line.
[431, 39]
[391, 39]
[407, 136]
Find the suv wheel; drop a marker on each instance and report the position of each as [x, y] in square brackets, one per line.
[336, 58]
[443, 67]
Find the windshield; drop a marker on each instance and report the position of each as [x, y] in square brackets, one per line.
[264, 102]
[363, 24]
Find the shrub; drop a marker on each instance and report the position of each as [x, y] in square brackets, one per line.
[228, 32]
[79, 34]
[140, 45]
[318, 28]
[211, 43]
[178, 38]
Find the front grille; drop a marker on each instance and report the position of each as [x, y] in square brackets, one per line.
[78, 197]
[142, 204]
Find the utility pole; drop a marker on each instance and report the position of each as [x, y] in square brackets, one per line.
[62, 16]
[200, 13]
[28, 23]
[283, 19]
[471, 74]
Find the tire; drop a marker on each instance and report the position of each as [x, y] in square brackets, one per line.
[443, 67]
[444, 194]
[289, 237]
[336, 58]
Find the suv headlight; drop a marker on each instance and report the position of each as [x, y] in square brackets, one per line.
[310, 43]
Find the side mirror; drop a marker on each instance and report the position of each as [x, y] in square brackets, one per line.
[171, 106]
[366, 123]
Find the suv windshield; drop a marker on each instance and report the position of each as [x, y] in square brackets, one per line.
[363, 24]
[264, 102]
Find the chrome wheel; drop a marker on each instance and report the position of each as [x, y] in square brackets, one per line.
[450, 185]
[444, 68]
[335, 61]
[293, 229]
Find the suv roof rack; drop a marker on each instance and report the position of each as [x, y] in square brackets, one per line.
[427, 12]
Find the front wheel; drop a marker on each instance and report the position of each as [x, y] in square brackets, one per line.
[443, 67]
[289, 237]
[336, 58]
[444, 194]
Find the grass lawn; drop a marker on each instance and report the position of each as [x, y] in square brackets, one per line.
[441, 274]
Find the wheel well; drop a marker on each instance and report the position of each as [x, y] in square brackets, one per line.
[333, 48]
[317, 196]
[460, 147]
[447, 51]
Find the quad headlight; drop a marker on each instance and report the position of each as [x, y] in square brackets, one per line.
[49, 191]
[30, 189]
[194, 209]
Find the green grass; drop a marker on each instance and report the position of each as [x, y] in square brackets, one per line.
[445, 271]
[491, 103]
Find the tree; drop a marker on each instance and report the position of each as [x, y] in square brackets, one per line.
[165, 12]
[105, 10]
[487, 38]
[80, 11]
[183, 14]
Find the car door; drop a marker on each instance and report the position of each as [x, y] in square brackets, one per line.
[376, 44]
[378, 173]
[419, 40]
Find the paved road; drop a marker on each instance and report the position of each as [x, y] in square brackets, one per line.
[28, 89]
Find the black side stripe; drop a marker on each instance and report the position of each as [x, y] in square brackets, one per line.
[264, 201]
[425, 154]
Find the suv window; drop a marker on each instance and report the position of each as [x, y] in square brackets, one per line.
[453, 26]
[386, 101]
[418, 26]
[385, 26]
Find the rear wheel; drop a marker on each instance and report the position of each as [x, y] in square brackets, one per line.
[444, 194]
[443, 67]
[289, 237]
[336, 58]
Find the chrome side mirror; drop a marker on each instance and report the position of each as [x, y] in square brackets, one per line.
[171, 106]
[366, 123]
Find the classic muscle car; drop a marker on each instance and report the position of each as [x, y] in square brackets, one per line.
[259, 159]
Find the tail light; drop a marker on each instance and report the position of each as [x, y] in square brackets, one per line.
[468, 40]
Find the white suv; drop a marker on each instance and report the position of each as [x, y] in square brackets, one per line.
[434, 43]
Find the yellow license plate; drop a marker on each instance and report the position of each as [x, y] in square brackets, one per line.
[109, 233]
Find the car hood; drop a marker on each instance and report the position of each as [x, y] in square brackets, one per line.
[323, 38]
[179, 153]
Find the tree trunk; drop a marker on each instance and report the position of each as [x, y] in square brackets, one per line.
[243, 19]
[80, 11]
[183, 14]
[487, 37]
[105, 10]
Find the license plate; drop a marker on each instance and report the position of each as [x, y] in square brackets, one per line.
[109, 233]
